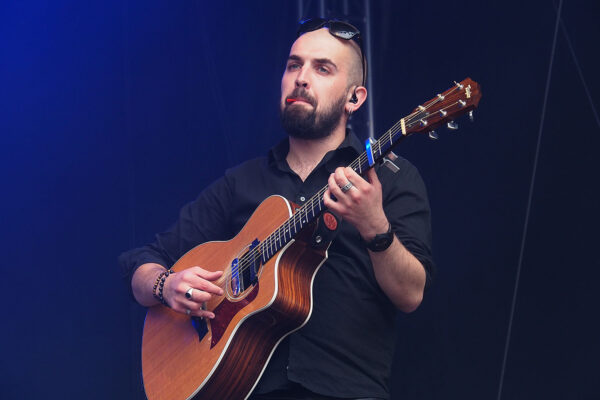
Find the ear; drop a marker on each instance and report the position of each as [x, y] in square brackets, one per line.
[356, 98]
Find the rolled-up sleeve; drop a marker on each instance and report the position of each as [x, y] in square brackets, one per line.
[407, 208]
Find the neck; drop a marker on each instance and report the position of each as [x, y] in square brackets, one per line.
[304, 155]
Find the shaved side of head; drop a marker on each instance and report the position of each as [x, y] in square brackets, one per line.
[355, 77]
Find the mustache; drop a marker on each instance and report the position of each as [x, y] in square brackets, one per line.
[301, 94]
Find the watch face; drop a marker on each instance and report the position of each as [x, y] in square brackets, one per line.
[381, 242]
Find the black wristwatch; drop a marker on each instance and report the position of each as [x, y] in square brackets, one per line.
[381, 241]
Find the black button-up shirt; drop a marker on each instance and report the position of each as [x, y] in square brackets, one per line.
[346, 348]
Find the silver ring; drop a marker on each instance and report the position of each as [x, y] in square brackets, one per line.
[189, 293]
[346, 187]
[188, 311]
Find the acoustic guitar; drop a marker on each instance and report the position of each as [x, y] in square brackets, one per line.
[269, 268]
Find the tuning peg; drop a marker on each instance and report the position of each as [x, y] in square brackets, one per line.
[471, 117]
[452, 125]
[433, 135]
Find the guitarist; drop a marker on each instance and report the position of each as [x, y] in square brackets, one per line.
[380, 261]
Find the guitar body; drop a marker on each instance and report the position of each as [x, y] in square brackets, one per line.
[223, 358]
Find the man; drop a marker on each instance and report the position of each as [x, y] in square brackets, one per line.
[379, 262]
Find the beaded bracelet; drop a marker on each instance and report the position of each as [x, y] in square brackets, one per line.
[160, 283]
[156, 285]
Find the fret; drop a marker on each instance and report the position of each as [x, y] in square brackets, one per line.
[279, 238]
[262, 251]
[267, 250]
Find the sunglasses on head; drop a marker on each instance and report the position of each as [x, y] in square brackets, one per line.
[339, 29]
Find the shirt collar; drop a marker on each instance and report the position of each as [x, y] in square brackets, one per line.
[350, 148]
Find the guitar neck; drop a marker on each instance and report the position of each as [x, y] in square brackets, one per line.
[463, 97]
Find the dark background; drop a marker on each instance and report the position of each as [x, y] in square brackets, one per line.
[114, 114]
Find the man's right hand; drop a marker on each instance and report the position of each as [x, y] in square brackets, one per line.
[197, 282]
[175, 288]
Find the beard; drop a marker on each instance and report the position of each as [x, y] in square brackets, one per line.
[302, 123]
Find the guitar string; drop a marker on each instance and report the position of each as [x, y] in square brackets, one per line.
[273, 239]
[391, 131]
[276, 237]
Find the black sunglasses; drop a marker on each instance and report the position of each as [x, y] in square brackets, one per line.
[339, 29]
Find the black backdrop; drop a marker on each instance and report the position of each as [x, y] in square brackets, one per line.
[114, 114]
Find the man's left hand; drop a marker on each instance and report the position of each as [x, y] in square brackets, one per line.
[361, 204]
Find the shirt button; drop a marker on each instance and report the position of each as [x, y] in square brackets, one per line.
[302, 198]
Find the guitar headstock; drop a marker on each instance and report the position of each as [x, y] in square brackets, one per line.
[460, 99]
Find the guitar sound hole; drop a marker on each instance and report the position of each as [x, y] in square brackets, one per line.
[245, 270]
